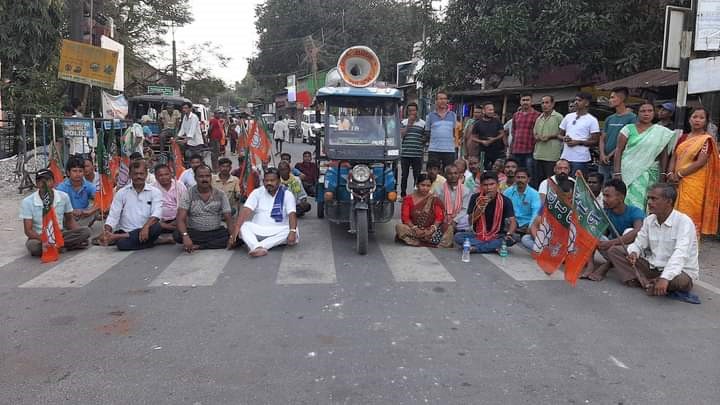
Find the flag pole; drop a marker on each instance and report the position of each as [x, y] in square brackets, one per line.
[643, 280]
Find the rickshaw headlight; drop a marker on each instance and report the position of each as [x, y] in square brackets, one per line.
[361, 173]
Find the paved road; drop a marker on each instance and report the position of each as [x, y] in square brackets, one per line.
[318, 324]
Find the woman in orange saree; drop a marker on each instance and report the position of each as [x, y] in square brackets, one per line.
[696, 170]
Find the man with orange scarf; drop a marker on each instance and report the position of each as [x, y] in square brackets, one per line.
[492, 218]
[695, 168]
[455, 198]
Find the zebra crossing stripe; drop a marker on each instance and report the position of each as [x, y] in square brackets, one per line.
[413, 264]
[312, 260]
[200, 268]
[520, 265]
[11, 254]
[79, 270]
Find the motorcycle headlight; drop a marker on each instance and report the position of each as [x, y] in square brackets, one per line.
[361, 173]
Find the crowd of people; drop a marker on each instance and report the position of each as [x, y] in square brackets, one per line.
[659, 191]
[484, 184]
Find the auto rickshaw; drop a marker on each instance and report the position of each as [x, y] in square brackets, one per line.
[358, 155]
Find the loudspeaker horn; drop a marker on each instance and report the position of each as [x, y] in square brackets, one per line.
[359, 66]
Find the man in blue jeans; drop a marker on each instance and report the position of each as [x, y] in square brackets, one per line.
[491, 216]
[134, 219]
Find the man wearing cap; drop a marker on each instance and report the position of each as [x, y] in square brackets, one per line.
[579, 131]
[665, 115]
[133, 221]
[31, 212]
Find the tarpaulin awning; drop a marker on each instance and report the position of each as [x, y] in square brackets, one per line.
[645, 80]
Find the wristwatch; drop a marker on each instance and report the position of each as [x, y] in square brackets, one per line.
[184, 234]
[293, 230]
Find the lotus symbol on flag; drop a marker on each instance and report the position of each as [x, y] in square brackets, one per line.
[544, 236]
[571, 239]
[255, 141]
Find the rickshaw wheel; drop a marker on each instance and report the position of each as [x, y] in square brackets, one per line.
[361, 236]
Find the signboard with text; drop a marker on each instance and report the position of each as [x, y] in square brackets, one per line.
[87, 64]
[77, 128]
[707, 25]
[164, 90]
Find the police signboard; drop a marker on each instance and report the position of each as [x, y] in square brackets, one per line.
[77, 128]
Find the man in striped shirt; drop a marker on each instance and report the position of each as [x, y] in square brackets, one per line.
[412, 132]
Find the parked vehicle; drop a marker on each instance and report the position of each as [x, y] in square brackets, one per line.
[203, 114]
[311, 129]
[151, 105]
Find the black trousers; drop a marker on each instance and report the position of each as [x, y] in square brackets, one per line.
[215, 239]
[406, 164]
[133, 242]
[444, 158]
[543, 170]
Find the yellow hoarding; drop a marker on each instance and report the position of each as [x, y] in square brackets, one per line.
[87, 64]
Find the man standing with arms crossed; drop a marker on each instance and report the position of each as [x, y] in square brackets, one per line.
[547, 140]
[440, 127]
[613, 124]
[523, 141]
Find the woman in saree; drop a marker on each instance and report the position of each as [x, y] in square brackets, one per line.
[695, 168]
[642, 154]
[422, 216]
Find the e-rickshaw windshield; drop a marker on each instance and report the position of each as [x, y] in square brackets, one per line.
[363, 121]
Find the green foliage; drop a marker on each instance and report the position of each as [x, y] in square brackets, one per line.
[30, 34]
[493, 38]
[389, 27]
[209, 87]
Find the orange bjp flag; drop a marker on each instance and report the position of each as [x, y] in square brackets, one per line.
[552, 239]
[259, 142]
[104, 195]
[50, 236]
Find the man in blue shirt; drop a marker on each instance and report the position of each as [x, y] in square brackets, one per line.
[525, 199]
[440, 125]
[80, 191]
[626, 220]
[613, 124]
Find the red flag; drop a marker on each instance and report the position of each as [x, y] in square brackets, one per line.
[104, 195]
[57, 173]
[551, 241]
[51, 236]
[259, 143]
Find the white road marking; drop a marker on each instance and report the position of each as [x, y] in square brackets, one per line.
[409, 264]
[201, 268]
[520, 265]
[78, 270]
[11, 254]
[707, 286]
[618, 363]
[312, 260]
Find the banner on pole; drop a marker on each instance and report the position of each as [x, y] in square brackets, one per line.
[87, 64]
[115, 107]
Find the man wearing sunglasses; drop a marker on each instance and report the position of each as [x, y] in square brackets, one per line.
[579, 131]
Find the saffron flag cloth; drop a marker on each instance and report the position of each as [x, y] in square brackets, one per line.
[56, 171]
[552, 240]
[177, 159]
[105, 193]
[247, 175]
[259, 142]
[51, 236]
[590, 224]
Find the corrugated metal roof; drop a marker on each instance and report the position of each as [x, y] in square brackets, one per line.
[645, 80]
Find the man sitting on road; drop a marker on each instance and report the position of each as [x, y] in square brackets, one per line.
[201, 211]
[433, 173]
[188, 175]
[562, 172]
[228, 183]
[133, 222]
[268, 217]
[525, 200]
[665, 250]
[509, 169]
[491, 217]
[455, 198]
[475, 169]
[308, 173]
[172, 190]
[80, 191]
[626, 219]
[31, 212]
[294, 185]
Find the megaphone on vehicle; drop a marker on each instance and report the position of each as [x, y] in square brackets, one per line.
[359, 66]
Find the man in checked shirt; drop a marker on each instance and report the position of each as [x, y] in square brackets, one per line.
[523, 139]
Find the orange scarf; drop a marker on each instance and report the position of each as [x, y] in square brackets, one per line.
[478, 216]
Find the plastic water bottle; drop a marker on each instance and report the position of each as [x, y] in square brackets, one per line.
[503, 249]
[466, 251]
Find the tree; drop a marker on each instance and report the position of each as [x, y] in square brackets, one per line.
[30, 35]
[285, 26]
[210, 87]
[493, 38]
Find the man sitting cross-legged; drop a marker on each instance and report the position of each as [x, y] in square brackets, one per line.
[268, 217]
[32, 211]
[201, 211]
[133, 222]
[171, 190]
[293, 184]
[627, 220]
[80, 191]
[665, 251]
[455, 198]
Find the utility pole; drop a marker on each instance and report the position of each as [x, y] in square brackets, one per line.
[174, 58]
[686, 52]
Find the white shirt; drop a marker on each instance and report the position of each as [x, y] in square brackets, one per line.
[190, 129]
[544, 184]
[130, 210]
[672, 245]
[261, 203]
[187, 178]
[578, 129]
[280, 128]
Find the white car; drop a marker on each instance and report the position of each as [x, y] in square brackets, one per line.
[203, 114]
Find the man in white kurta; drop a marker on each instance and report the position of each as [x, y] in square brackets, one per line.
[261, 228]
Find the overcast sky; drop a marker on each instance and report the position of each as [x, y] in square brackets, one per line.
[229, 25]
